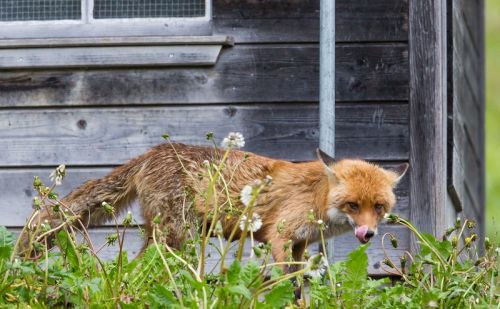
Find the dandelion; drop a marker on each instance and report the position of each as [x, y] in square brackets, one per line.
[254, 224]
[246, 195]
[58, 174]
[317, 265]
[233, 140]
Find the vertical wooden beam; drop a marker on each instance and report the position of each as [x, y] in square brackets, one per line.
[428, 100]
[327, 85]
[482, 98]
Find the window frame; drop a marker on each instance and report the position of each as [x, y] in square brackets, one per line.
[87, 26]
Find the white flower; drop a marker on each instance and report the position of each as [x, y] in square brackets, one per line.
[58, 174]
[317, 265]
[246, 195]
[497, 250]
[233, 140]
[254, 224]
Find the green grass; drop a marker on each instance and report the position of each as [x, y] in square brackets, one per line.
[492, 115]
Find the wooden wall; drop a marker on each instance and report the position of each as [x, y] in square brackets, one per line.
[266, 87]
[466, 107]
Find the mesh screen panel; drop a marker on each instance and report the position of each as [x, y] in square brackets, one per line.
[148, 8]
[23, 10]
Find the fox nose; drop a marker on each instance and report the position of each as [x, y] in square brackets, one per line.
[363, 233]
[369, 234]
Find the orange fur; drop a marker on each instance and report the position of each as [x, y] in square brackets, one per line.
[158, 181]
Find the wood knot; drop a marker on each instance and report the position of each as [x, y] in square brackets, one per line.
[82, 124]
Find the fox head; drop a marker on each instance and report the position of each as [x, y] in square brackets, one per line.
[360, 193]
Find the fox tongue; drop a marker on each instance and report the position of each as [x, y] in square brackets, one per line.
[360, 232]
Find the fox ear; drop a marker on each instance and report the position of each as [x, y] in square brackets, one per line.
[327, 161]
[400, 171]
[323, 157]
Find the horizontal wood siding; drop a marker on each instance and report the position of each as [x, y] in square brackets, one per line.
[110, 136]
[466, 108]
[266, 87]
[244, 73]
[274, 21]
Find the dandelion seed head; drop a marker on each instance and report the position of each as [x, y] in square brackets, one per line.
[233, 140]
[58, 174]
[317, 266]
[254, 224]
[246, 195]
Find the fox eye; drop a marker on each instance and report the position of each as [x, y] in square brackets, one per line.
[353, 206]
[379, 208]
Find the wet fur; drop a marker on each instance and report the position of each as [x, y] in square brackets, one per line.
[157, 180]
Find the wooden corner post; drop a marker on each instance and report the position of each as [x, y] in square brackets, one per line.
[428, 101]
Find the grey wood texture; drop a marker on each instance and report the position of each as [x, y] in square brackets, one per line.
[149, 27]
[344, 244]
[466, 109]
[108, 136]
[298, 21]
[118, 41]
[108, 57]
[261, 73]
[18, 193]
[428, 80]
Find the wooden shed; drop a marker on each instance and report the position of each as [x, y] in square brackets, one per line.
[93, 83]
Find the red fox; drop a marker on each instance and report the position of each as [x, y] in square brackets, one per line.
[348, 194]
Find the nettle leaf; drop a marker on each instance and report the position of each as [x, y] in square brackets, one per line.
[6, 243]
[160, 296]
[356, 267]
[250, 274]
[280, 295]
[276, 272]
[240, 290]
[443, 247]
[233, 273]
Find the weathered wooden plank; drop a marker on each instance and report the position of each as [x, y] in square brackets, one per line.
[263, 73]
[298, 21]
[465, 125]
[118, 41]
[17, 196]
[465, 54]
[108, 57]
[152, 27]
[344, 245]
[470, 12]
[110, 136]
[428, 80]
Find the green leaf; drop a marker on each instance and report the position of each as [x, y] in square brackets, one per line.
[67, 248]
[356, 267]
[6, 243]
[250, 274]
[160, 296]
[280, 295]
[240, 290]
[233, 272]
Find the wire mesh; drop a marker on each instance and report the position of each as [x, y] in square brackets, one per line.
[25, 10]
[148, 8]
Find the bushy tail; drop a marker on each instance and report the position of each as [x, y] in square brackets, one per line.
[117, 188]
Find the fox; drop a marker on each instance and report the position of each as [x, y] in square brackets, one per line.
[347, 194]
